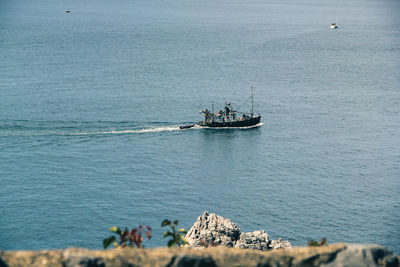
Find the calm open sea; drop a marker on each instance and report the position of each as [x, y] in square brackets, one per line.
[91, 100]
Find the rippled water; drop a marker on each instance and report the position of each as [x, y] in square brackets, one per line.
[91, 102]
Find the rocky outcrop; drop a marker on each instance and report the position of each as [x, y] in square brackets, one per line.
[332, 255]
[212, 229]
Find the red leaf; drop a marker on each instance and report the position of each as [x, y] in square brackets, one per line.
[138, 239]
[135, 240]
[132, 235]
[148, 234]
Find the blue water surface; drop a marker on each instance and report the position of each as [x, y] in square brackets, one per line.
[91, 101]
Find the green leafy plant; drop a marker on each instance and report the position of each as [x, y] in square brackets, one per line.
[312, 243]
[178, 235]
[128, 238]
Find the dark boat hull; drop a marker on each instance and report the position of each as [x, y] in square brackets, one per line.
[234, 124]
[186, 126]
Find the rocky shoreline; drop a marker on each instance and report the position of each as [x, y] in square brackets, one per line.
[214, 230]
[226, 246]
[329, 256]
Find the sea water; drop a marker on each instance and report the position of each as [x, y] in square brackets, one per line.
[91, 102]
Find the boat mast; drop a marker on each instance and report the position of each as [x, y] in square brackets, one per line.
[252, 101]
[336, 14]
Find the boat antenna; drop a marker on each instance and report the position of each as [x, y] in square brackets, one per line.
[252, 100]
[336, 14]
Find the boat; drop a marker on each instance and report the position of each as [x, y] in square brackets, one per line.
[229, 117]
[186, 126]
[334, 24]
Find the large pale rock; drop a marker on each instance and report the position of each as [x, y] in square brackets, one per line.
[332, 255]
[212, 229]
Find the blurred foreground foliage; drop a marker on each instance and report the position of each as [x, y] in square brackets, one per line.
[177, 235]
[128, 238]
[312, 243]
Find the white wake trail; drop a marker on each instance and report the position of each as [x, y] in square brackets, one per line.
[150, 129]
[134, 131]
